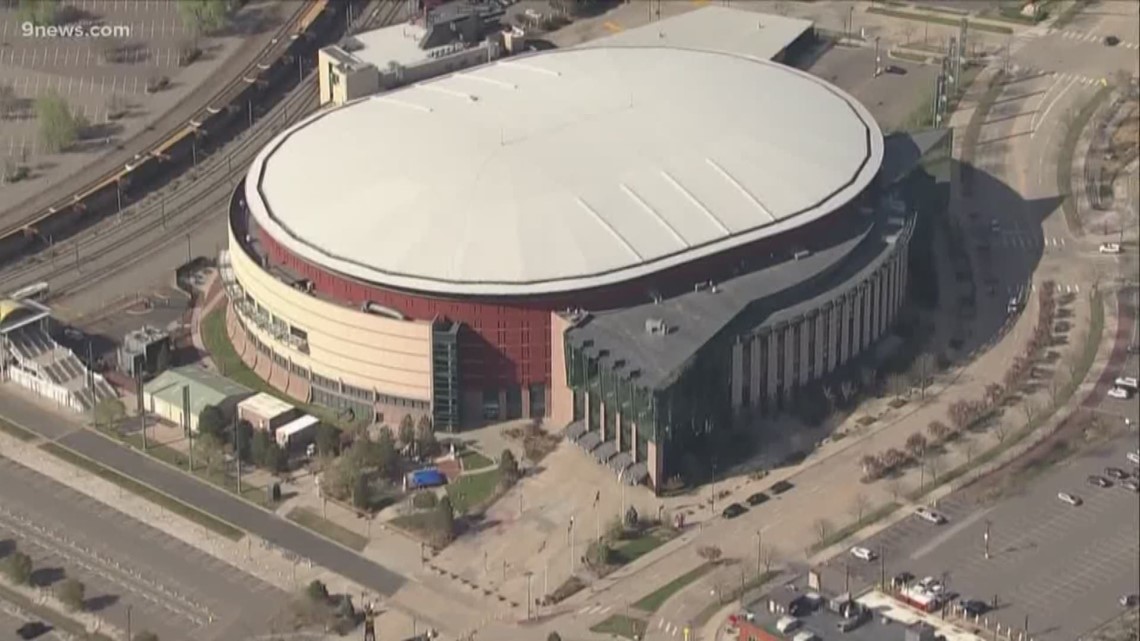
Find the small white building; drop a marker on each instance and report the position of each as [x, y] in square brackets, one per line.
[298, 432]
[164, 396]
[266, 412]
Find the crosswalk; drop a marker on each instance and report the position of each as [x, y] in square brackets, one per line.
[668, 627]
[595, 609]
[1083, 36]
[1079, 78]
[1021, 241]
[1060, 288]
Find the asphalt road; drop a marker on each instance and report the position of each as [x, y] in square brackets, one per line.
[246, 516]
[171, 588]
[1063, 567]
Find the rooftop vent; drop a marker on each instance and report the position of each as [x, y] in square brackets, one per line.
[656, 327]
[619, 363]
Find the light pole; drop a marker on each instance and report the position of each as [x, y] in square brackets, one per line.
[570, 540]
[986, 538]
[529, 575]
[759, 550]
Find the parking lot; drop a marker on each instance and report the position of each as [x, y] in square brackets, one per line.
[103, 76]
[1063, 567]
[891, 97]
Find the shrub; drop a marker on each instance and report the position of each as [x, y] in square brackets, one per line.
[18, 568]
[317, 591]
[71, 593]
[425, 500]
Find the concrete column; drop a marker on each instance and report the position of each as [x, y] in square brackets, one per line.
[757, 366]
[819, 365]
[602, 419]
[772, 360]
[857, 336]
[805, 335]
[586, 418]
[788, 356]
[737, 390]
[524, 397]
[633, 441]
[617, 429]
[876, 306]
[842, 310]
[502, 404]
[653, 462]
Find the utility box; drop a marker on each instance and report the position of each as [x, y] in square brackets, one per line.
[145, 351]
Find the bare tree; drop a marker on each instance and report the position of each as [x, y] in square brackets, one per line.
[939, 431]
[768, 556]
[916, 445]
[1000, 431]
[933, 463]
[8, 100]
[710, 553]
[846, 391]
[898, 385]
[868, 378]
[822, 529]
[829, 396]
[970, 448]
[895, 487]
[859, 506]
[1029, 407]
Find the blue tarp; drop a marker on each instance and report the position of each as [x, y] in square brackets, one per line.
[429, 477]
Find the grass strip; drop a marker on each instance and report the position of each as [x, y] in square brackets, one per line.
[311, 520]
[622, 626]
[469, 492]
[15, 431]
[145, 491]
[1096, 331]
[249, 491]
[655, 599]
[473, 460]
[1065, 158]
[56, 619]
[1070, 12]
[949, 22]
[633, 549]
[217, 343]
[872, 517]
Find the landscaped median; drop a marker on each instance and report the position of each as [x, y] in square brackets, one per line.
[942, 20]
[15, 431]
[311, 520]
[147, 492]
[1065, 158]
[55, 618]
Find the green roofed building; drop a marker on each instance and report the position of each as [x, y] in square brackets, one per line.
[163, 395]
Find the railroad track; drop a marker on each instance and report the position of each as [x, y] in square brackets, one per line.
[177, 210]
[298, 21]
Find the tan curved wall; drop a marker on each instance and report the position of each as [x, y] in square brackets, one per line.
[363, 350]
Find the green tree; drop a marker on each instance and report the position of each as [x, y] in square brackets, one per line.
[18, 568]
[72, 593]
[244, 439]
[387, 459]
[317, 591]
[59, 126]
[554, 636]
[39, 12]
[328, 439]
[146, 635]
[361, 492]
[204, 16]
[210, 450]
[509, 466]
[426, 443]
[445, 520]
[407, 430]
[8, 100]
[212, 422]
[109, 412]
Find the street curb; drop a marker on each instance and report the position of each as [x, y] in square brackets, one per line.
[44, 440]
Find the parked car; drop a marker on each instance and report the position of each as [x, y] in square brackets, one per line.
[1116, 473]
[1099, 481]
[757, 498]
[929, 515]
[1131, 484]
[1134, 457]
[733, 510]
[779, 487]
[1071, 499]
[1127, 382]
[1110, 248]
[1118, 392]
[995, 225]
[864, 554]
[1111, 41]
[33, 630]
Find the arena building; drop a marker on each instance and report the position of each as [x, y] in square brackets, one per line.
[643, 243]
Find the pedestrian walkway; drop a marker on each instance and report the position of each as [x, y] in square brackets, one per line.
[1084, 36]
